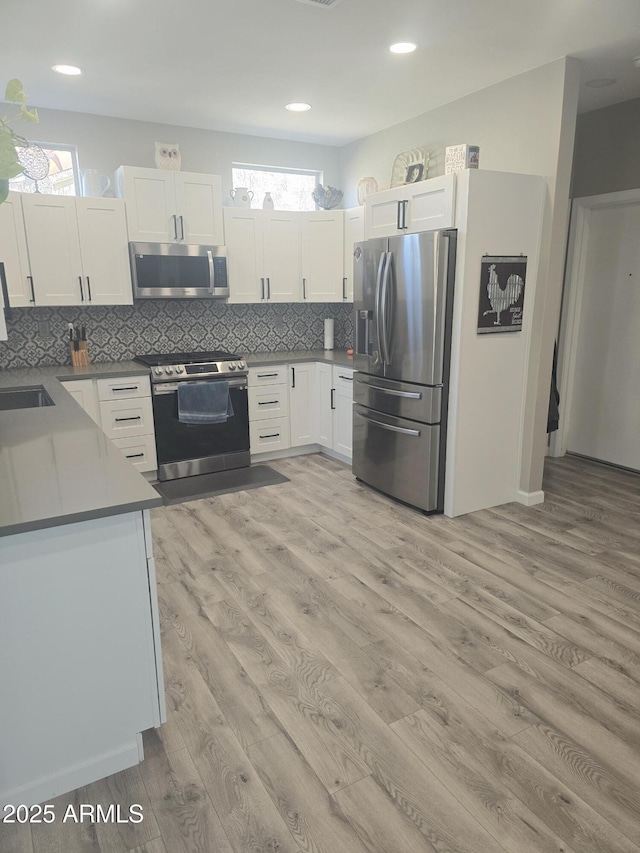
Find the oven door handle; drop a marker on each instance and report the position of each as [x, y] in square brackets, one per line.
[172, 387]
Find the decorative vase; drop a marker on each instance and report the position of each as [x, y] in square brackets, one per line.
[241, 197]
[267, 204]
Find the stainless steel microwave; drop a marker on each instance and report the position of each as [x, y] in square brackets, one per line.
[178, 271]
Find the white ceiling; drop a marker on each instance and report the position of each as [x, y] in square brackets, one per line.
[233, 64]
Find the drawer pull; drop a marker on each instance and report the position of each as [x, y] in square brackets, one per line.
[271, 435]
[127, 388]
[348, 378]
[269, 403]
[136, 418]
[133, 455]
[266, 375]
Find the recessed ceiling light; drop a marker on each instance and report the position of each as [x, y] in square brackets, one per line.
[601, 82]
[403, 47]
[298, 107]
[69, 70]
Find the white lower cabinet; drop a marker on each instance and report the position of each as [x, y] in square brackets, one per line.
[269, 435]
[302, 400]
[343, 411]
[122, 407]
[326, 393]
[269, 428]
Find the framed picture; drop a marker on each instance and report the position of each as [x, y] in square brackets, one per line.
[502, 284]
[414, 173]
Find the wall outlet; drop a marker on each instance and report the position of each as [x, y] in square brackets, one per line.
[44, 329]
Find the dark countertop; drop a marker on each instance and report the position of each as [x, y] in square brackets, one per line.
[56, 465]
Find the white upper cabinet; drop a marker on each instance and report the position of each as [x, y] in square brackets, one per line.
[353, 233]
[199, 207]
[322, 256]
[102, 227]
[282, 255]
[171, 207]
[54, 249]
[13, 252]
[423, 206]
[243, 235]
[77, 250]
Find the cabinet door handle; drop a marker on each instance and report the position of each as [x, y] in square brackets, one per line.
[304, 288]
[137, 418]
[399, 217]
[175, 226]
[293, 377]
[181, 227]
[33, 293]
[268, 402]
[404, 214]
[89, 288]
[262, 286]
[344, 288]
[133, 455]
[271, 435]
[348, 378]
[265, 375]
[81, 290]
[126, 388]
[333, 392]
[268, 288]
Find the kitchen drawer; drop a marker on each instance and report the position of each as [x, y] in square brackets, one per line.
[127, 386]
[272, 375]
[123, 418]
[269, 402]
[270, 435]
[139, 450]
[343, 378]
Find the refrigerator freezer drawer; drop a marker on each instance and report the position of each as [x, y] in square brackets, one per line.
[401, 399]
[397, 456]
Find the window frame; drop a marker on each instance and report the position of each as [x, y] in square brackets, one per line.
[287, 170]
[75, 164]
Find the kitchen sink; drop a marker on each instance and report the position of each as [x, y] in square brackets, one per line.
[24, 398]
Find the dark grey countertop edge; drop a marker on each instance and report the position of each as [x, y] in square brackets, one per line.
[297, 356]
[73, 518]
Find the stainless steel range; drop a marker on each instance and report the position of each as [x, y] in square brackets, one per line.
[183, 449]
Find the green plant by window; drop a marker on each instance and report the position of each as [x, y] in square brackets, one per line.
[9, 139]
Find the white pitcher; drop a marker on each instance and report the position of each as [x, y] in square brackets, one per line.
[241, 197]
[93, 183]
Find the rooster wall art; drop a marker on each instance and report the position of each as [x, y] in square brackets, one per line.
[504, 280]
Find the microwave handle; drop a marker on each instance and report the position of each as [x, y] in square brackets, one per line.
[212, 274]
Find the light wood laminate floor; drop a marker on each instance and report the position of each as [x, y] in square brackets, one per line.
[345, 675]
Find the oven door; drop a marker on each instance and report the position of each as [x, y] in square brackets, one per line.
[185, 450]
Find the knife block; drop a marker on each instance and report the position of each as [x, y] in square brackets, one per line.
[79, 357]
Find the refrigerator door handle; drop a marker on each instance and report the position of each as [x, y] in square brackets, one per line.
[409, 395]
[378, 310]
[403, 430]
[386, 310]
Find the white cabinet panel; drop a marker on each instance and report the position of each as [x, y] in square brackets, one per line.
[123, 418]
[269, 435]
[343, 411]
[271, 401]
[123, 387]
[54, 249]
[274, 374]
[383, 213]
[303, 404]
[431, 204]
[139, 450]
[13, 252]
[84, 392]
[353, 233]
[150, 196]
[199, 208]
[322, 256]
[325, 392]
[102, 228]
[243, 235]
[282, 256]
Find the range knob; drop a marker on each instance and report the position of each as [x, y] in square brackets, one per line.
[158, 371]
[232, 365]
[169, 369]
[242, 365]
[180, 369]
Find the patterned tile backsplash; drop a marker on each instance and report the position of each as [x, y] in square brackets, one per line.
[122, 331]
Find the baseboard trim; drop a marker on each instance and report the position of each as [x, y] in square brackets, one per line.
[530, 498]
[70, 778]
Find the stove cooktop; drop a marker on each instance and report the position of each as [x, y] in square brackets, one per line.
[156, 359]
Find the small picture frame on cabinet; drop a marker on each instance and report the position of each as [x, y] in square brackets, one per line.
[414, 173]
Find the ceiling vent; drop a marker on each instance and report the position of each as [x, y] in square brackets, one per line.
[325, 3]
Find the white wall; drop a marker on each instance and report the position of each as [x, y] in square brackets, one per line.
[105, 143]
[525, 124]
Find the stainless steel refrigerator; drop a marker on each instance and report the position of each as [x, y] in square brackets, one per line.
[403, 302]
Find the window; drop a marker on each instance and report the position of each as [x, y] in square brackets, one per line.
[63, 177]
[290, 188]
